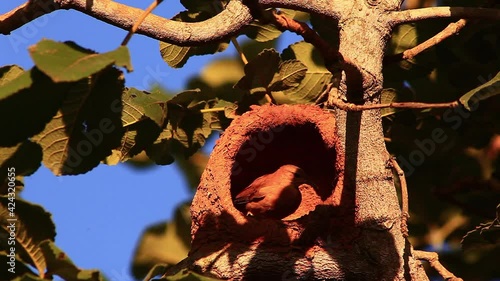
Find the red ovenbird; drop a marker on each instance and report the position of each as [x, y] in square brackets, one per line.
[274, 195]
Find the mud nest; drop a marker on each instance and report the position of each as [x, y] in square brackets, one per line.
[257, 143]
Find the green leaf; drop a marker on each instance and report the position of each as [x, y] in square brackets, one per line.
[262, 30]
[136, 138]
[252, 48]
[68, 62]
[193, 100]
[28, 100]
[260, 71]
[141, 104]
[163, 243]
[158, 269]
[388, 96]
[177, 56]
[485, 91]
[191, 118]
[12, 80]
[87, 127]
[316, 77]
[290, 74]
[20, 160]
[143, 117]
[31, 225]
[161, 150]
[187, 123]
[404, 37]
[9, 73]
[58, 263]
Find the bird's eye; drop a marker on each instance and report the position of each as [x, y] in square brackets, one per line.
[298, 174]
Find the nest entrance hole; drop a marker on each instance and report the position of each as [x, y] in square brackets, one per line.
[302, 145]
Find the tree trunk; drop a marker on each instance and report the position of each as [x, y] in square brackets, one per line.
[356, 232]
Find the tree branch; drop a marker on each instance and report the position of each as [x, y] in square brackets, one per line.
[433, 260]
[451, 29]
[400, 17]
[24, 14]
[405, 213]
[414, 105]
[136, 25]
[228, 22]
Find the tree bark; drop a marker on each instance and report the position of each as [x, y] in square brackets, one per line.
[363, 239]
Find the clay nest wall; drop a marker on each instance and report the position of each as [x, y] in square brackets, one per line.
[229, 244]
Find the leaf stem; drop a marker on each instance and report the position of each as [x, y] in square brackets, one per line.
[240, 50]
[214, 109]
[233, 38]
[143, 16]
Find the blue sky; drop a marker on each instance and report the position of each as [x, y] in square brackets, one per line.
[100, 215]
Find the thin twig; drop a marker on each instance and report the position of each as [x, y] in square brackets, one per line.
[433, 260]
[335, 62]
[243, 58]
[323, 97]
[450, 30]
[407, 105]
[330, 54]
[405, 214]
[257, 11]
[140, 20]
[213, 109]
[240, 50]
[399, 17]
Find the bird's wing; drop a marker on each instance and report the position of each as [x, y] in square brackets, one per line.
[248, 195]
[252, 192]
[240, 200]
